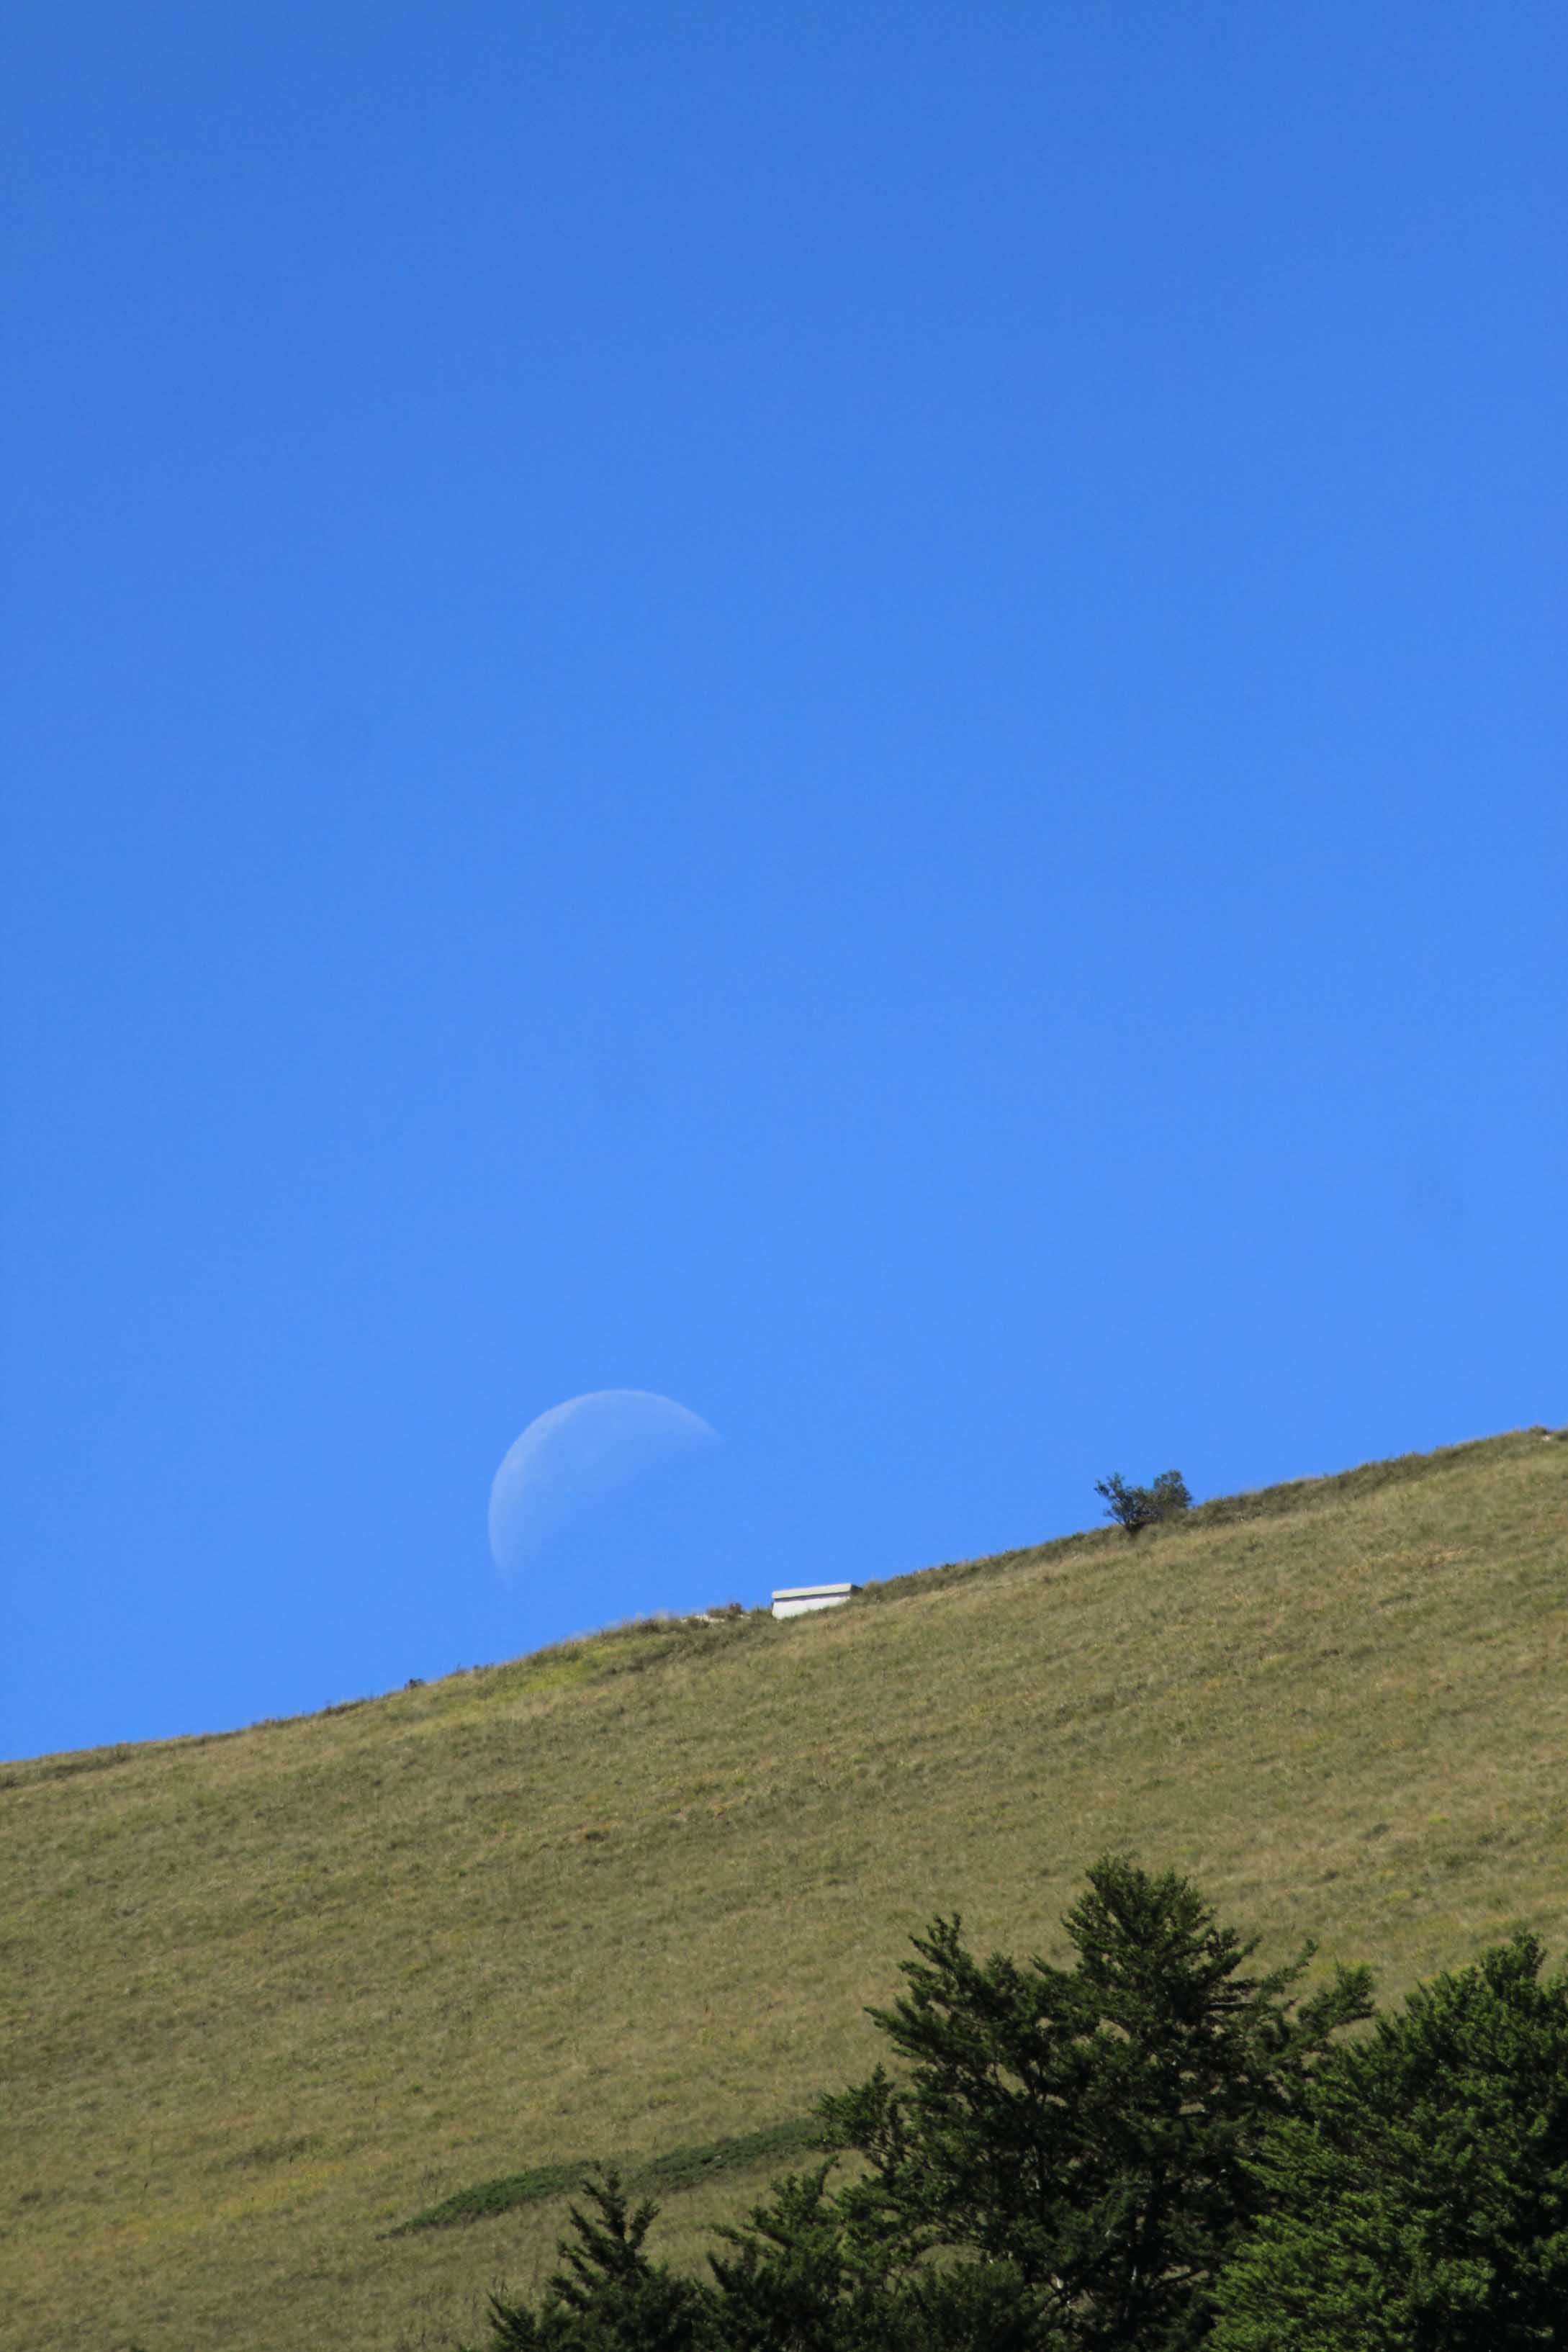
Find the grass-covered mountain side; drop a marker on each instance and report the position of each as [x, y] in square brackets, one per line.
[268, 1997]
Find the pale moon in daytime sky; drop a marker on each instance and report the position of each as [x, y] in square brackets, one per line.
[578, 1450]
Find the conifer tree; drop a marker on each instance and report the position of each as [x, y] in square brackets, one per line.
[1419, 2200]
[802, 2276]
[608, 2295]
[1063, 2163]
[1090, 2127]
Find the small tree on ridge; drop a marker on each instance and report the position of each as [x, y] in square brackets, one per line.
[1139, 1506]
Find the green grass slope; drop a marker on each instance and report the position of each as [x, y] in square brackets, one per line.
[269, 1996]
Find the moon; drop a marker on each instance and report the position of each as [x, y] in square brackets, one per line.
[578, 1450]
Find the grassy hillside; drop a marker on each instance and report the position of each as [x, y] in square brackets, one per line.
[266, 1996]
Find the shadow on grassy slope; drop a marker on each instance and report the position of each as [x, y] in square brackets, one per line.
[668, 2175]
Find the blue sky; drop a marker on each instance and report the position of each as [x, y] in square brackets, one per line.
[853, 713]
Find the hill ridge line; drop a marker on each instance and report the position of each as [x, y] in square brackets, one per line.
[1279, 1500]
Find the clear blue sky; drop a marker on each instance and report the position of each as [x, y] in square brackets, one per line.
[853, 712]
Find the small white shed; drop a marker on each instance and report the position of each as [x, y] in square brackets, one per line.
[796, 1600]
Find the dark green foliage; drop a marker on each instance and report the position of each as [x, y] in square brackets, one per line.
[1421, 2198]
[607, 2296]
[804, 2276]
[1091, 2127]
[1148, 2150]
[794, 2277]
[795, 2281]
[1062, 2167]
[1140, 1506]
